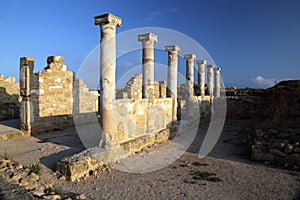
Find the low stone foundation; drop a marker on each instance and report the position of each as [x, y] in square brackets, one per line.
[92, 159]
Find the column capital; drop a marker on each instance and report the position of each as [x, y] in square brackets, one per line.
[172, 48]
[190, 57]
[200, 62]
[217, 69]
[210, 66]
[147, 37]
[107, 19]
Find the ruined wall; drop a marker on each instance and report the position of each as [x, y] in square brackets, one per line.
[85, 103]
[56, 96]
[133, 89]
[9, 98]
[138, 117]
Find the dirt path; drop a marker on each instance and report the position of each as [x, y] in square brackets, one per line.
[240, 178]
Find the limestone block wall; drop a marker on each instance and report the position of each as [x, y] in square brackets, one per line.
[133, 89]
[85, 98]
[139, 117]
[56, 96]
[9, 98]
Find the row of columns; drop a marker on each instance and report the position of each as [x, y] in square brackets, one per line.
[108, 24]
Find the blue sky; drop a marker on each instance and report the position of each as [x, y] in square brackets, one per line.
[254, 42]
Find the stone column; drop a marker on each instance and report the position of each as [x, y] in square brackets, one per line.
[201, 76]
[148, 40]
[217, 82]
[26, 71]
[108, 24]
[210, 83]
[189, 86]
[172, 76]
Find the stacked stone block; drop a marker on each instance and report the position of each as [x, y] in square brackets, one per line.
[9, 98]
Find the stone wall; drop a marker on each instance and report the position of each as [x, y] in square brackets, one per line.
[9, 98]
[133, 89]
[138, 117]
[55, 97]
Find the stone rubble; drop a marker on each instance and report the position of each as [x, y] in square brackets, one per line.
[277, 147]
[15, 173]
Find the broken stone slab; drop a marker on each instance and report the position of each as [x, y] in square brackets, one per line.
[277, 152]
[258, 155]
[92, 159]
[87, 161]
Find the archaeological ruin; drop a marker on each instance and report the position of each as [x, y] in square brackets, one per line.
[142, 113]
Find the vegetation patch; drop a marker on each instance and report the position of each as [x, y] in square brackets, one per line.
[35, 168]
[206, 176]
[200, 164]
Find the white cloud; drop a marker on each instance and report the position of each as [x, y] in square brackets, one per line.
[264, 82]
[154, 14]
[173, 10]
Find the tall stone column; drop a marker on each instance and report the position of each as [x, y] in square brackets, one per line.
[26, 72]
[108, 24]
[210, 82]
[201, 76]
[148, 40]
[172, 76]
[217, 82]
[189, 86]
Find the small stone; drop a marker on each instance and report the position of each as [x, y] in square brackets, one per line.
[117, 161]
[81, 197]
[53, 197]
[19, 166]
[48, 186]
[38, 193]
[62, 178]
[24, 182]
[95, 173]
[41, 189]
[16, 177]
[288, 149]
[31, 186]
[33, 177]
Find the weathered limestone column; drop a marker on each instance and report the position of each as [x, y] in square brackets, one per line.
[190, 58]
[217, 82]
[201, 76]
[108, 24]
[210, 82]
[172, 77]
[26, 71]
[148, 40]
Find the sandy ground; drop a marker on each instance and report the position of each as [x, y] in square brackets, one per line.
[241, 179]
